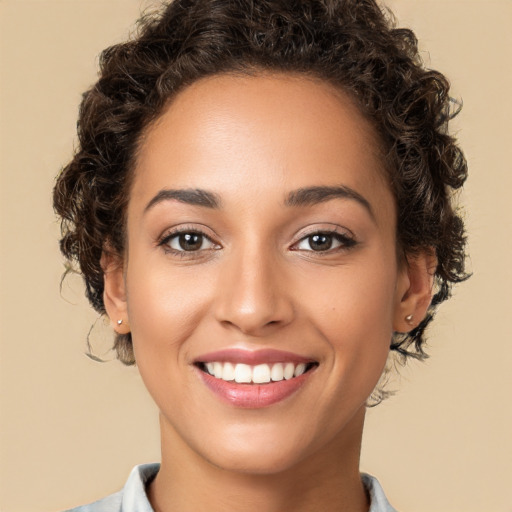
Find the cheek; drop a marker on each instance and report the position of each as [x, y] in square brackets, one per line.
[164, 306]
[164, 310]
[355, 299]
[354, 314]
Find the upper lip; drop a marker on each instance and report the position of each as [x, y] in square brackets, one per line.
[252, 357]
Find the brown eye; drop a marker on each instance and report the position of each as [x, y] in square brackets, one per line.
[320, 242]
[189, 241]
[323, 242]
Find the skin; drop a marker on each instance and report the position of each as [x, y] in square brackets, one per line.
[255, 282]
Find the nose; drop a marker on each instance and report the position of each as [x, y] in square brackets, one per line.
[252, 294]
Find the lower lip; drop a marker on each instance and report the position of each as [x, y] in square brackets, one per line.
[253, 396]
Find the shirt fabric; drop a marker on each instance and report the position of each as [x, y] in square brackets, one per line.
[133, 498]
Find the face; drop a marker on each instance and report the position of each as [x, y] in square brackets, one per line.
[261, 284]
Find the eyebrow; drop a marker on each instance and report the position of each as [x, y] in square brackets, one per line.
[192, 196]
[307, 196]
[310, 196]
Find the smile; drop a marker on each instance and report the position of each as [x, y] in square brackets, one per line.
[257, 379]
[258, 374]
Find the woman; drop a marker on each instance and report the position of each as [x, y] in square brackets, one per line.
[261, 204]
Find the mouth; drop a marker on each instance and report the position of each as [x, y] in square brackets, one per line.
[254, 379]
[264, 373]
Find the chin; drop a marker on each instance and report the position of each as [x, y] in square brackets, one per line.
[255, 461]
[262, 450]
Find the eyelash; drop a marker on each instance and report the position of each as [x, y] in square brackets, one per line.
[168, 237]
[346, 242]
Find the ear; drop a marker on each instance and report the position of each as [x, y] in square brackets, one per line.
[114, 293]
[414, 290]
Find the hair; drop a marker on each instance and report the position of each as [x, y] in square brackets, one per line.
[353, 44]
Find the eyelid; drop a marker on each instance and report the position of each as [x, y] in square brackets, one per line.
[344, 235]
[174, 231]
[325, 228]
[346, 238]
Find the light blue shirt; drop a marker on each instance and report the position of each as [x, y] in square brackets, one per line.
[133, 498]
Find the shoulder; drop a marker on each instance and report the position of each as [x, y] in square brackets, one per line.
[132, 498]
[111, 503]
[378, 500]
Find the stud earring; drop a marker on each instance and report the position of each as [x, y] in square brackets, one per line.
[408, 319]
[119, 322]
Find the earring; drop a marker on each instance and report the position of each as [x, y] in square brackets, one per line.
[408, 319]
[119, 322]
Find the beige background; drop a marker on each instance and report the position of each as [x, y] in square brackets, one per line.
[71, 428]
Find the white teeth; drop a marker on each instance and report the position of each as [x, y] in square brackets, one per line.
[299, 370]
[243, 373]
[228, 372]
[259, 374]
[217, 370]
[288, 371]
[277, 372]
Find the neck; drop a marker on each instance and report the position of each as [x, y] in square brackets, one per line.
[327, 480]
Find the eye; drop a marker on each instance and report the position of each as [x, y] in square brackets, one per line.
[188, 241]
[325, 241]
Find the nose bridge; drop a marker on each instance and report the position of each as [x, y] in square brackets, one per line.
[251, 293]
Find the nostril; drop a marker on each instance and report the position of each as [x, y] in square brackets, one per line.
[251, 297]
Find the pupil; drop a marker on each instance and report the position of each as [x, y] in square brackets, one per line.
[191, 241]
[320, 242]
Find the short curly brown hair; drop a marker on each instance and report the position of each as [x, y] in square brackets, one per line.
[353, 44]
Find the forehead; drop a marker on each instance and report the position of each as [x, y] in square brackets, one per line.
[263, 133]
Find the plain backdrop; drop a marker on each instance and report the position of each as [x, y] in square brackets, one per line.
[71, 428]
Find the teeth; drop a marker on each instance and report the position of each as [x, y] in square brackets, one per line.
[277, 372]
[243, 373]
[228, 372]
[259, 374]
[301, 368]
[289, 369]
[217, 370]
